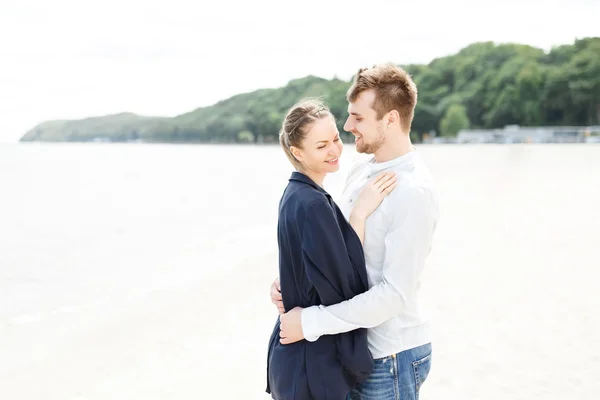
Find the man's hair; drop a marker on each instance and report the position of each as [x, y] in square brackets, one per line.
[394, 90]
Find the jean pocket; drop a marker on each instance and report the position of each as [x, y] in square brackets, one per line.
[421, 369]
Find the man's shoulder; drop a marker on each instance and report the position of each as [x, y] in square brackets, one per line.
[415, 193]
[415, 179]
[412, 195]
[412, 190]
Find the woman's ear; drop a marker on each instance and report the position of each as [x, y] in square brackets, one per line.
[296, 153]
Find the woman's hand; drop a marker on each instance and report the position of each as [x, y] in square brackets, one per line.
[373, 194]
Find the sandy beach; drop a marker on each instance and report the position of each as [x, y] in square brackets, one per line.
[207, 342]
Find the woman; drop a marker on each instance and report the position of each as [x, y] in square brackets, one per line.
[321, 260]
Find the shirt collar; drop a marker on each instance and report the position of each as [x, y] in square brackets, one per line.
[377, 167]
[300, 177]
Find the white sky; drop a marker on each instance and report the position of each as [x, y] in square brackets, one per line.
[76, 58]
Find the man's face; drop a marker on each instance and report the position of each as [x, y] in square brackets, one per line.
[363, 124]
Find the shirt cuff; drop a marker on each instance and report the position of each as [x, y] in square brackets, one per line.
[308, 319]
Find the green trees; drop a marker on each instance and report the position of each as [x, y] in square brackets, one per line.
[485, 85]
[454, 120]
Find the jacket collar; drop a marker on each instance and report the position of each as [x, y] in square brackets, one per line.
[300, 177]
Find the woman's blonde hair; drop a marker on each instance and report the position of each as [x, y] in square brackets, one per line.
[297, 123]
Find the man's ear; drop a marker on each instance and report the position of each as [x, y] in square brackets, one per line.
[393, 117]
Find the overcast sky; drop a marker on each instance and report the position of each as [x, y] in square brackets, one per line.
[72, 59]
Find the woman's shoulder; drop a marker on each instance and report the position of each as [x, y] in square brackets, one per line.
[305, 198]
[310, 197]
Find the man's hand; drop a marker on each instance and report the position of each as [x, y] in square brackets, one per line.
[276, 296]
[291, 326]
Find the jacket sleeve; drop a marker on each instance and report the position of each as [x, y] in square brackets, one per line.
[325, 255]
[331, 271]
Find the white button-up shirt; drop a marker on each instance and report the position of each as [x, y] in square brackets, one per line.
[398, 238]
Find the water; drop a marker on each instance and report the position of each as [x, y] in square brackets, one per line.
[104, 235]
[111, 218]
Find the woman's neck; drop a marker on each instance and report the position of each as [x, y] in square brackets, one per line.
[316, 177]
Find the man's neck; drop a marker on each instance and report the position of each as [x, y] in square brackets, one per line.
[393, 149]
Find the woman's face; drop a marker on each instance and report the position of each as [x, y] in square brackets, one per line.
[321, 147]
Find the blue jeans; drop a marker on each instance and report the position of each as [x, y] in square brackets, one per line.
[396, 377]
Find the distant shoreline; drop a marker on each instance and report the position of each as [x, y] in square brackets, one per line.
[483, 89]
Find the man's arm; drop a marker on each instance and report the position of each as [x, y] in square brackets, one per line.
[406, 246]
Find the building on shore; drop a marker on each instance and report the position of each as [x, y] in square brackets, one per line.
[531, 134]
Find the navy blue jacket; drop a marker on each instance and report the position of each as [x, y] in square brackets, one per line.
[321, 261]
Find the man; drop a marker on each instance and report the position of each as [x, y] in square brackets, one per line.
[397, 241]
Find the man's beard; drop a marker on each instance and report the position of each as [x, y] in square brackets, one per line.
[371, 148]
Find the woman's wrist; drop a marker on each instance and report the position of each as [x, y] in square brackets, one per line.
[357, 215]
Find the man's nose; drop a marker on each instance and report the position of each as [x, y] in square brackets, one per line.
[348, 126]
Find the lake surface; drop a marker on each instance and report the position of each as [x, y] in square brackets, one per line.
[142, 271]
